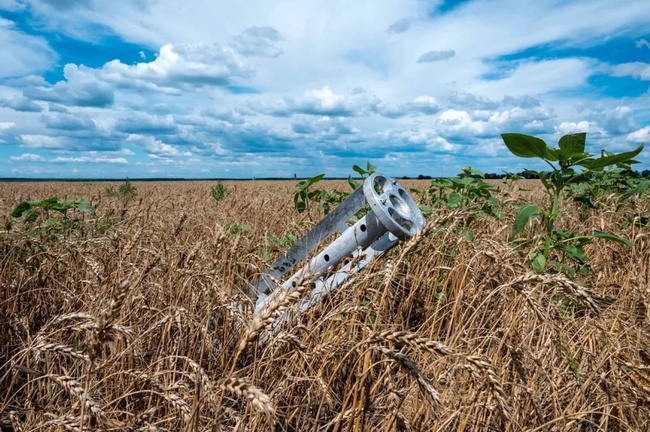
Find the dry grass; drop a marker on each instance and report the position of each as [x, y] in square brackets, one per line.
[137, 319]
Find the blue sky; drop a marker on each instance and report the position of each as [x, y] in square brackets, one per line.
[241, 89]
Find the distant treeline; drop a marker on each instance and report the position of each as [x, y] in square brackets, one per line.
[488, 176]
[529, 175]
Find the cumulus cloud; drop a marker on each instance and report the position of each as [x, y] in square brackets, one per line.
[189, 66]
[81, 87]
[420, 105]
[42, 141]
[21, 103]
[68, 122]
[640, 136]
[589, 127]
[323, 127]
[142, 123]
[153, 146]
[324, 102]
[434, 56]
[399, 26]
[636, 70]
[258, 41]
[9, 133]
[620, 120]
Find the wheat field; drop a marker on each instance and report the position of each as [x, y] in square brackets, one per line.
[137, 318]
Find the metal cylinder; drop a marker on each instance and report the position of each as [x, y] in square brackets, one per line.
[359, 236]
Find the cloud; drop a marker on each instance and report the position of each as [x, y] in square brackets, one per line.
[434, 56]
[641, 43]
[324, 102]
[142, 123]
[87, 159]
[399, 26]
[67, 4]
[21, 103]
[323, 127]
[426, 105]
[11, 5]
[619, 120]
[189, 66]
[640, 136]
[258, 41]
[81, 87]
[153, 146]
[636, 70]
[589, 127]
[27, 157]
[21, 53]
[9, 133]
[68, 122]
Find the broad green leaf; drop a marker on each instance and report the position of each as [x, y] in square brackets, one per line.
[523, 216]
[315, 179]
[576, 253]
[605, 161]
[359, 170]
[612, 237]
[454, 200]
[525, 146]
[639, 189]
[553, 154]
[370, 168]
[84, 206]
[21, 209]
[572, 145]
[538, 263]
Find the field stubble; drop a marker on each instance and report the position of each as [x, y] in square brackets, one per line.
[133, 321]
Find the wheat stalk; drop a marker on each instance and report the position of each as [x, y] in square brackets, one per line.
[410, 339]
[253, 394]
[409, 365]
[73, 387]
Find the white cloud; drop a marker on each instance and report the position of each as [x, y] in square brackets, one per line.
[80, 88]
[153, 146]
[591, 128]
[27, 157]
[185, 66]
[640, 136]
[87, 159]
[636, 70]
[41, 141]
[22, 54]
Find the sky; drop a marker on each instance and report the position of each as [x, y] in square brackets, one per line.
[277, 88]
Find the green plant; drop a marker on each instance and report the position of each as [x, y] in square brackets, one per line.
[218, 191]
[40, 216]
[235, 228]
[468, 188]
[125, 190]
[326, 199]
[570, 165]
